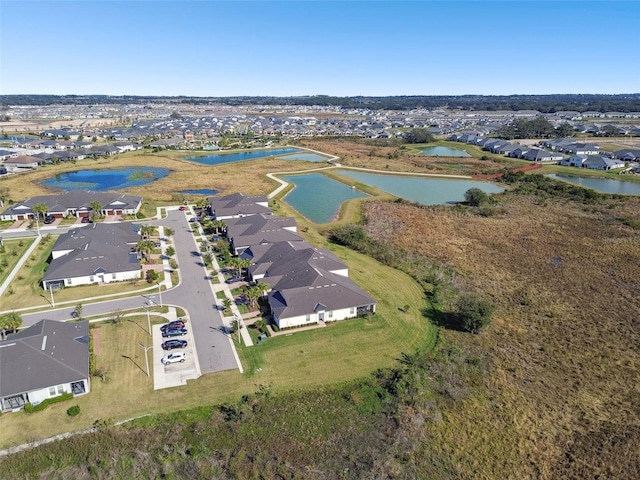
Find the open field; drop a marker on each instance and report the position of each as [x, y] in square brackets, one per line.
[562, 349]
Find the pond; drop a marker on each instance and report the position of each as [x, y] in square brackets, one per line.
[444, 152]
[106, 179]
[603, 185]
[318, 197]
[423, 190]
[220, 158]
[307, 157]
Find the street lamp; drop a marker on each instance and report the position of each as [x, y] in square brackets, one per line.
[146, 357]
[159, 293]
[146, 307]
[53, 304]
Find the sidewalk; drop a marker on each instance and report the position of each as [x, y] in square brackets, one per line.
[222, 286]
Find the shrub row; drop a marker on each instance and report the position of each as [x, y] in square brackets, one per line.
[29, 408]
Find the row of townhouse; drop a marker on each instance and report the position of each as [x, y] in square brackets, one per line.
[307, 285]
[579, 154]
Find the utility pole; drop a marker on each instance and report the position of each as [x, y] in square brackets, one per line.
[53, 304]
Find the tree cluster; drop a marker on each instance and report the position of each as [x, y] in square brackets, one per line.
[418, 135]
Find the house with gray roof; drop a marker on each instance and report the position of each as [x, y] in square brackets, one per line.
[96, 253]
[260, 229]
[44, 361]
[316, 296]
[271, 262]
[75, 203]
[238, 205]
[602, 163]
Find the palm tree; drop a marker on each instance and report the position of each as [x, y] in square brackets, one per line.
[96, 210]
[39, 208]
[145, 247]
[147, 230]
[9, 322]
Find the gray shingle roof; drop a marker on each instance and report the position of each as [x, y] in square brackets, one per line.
[238, 204]
[96, 248]
[46, 354]
[76, 199]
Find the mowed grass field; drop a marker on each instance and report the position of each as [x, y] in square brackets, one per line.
[302, 360]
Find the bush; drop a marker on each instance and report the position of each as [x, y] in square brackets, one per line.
[474, 313]
[475, 197]
[73, 411]
[29, 408]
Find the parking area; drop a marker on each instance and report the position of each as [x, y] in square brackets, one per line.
[173, 374]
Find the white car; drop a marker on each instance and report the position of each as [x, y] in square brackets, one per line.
[174, 357]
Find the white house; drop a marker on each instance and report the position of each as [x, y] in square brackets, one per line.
[44, 361]
[97, 253]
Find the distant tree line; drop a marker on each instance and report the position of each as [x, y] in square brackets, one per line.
[542, 103]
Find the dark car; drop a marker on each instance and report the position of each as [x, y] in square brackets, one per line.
[172, 325]
[85, 220]
[174, 332]
[49, 219]
[171, 344]
[234, 280]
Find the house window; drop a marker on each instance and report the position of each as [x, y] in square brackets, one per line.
[308, 317]
[52, 391]
[352, 311]
[113, 276]
[330, 314]
[91, 279]
[60, 389]
[68, 281]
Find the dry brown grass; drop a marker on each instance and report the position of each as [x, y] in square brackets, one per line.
[564, 342]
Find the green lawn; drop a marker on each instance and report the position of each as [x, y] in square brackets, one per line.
[26, 290]
[302, 360]
[11, 252]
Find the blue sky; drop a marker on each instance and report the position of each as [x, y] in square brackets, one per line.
[227, 48]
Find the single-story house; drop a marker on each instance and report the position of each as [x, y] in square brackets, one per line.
[44, 361]
[535, 155]
[22, 161]
[317, 296]
[96, 253]
[238, 205]
[574, 161]
[244, 232]
[76, 203]
[602, 163]
[277, 260]
[628, 154]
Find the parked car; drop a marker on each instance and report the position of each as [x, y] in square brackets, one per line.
[193, 219]
[85, 220]
[182, 208]
[49, 219]
[171, 344]
[173, 358]
[234, 279]
[174, 332]
[172, 325]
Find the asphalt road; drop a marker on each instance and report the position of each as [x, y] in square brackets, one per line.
[194, 294]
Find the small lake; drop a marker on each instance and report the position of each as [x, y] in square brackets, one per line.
[106, 179]
[221, 158]
[307, 157]
[444, 152]
[202, 191]
[13, 138]
[423, 190]
[318, 197]
[603, 185]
